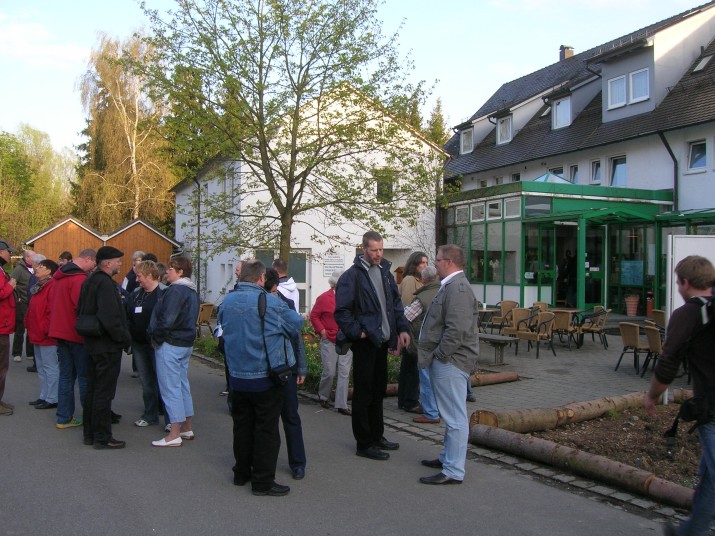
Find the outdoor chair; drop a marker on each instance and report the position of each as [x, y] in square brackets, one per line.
[630, 334]
[518, 316]
[504, 318]
[542, 306]
[542, 331]
[564, 326]
[659, 318]
[204, 318]
[596, 325]
[655, 346]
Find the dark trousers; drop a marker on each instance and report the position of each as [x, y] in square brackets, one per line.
[4, 362]
[291, 424]
[369, 385]
[20, 335]
[102, 374]
[256, 439]
[408, 388]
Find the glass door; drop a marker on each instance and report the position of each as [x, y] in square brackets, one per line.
[594, 267]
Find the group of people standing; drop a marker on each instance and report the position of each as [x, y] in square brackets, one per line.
[80, 322]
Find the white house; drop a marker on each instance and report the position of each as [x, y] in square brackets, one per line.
[228, 209]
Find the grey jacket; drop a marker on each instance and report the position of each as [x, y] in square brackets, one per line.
[449, 332]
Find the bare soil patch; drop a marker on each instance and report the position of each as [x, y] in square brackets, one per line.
[635, 438]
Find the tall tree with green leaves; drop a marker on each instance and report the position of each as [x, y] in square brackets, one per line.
[306, 96]
[436, 129]
[126, 172]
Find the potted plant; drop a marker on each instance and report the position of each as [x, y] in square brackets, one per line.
[631, 299]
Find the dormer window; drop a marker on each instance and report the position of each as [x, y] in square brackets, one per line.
[504, 130]
[640, 86]
[702, 63]
[466, 141]
[562, 113]
[617, 92]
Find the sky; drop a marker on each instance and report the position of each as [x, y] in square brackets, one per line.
[463, 49]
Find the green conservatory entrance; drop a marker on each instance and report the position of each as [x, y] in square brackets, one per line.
[564, 244]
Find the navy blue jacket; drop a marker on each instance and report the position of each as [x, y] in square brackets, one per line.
[173, 319]
[358, 309]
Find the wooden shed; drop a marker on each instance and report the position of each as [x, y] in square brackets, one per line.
[72, 235]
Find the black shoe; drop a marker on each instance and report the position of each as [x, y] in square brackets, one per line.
[32, 368]
[276, 490]
[471, 398]
[299, 473]
[37, 402]
[440, 479]
[669, 529]
[111, 444]
[46, 405]
[413, 409]
[384, 444]
[373, 453]
[88, 441]
[116, 418]
[434, 464]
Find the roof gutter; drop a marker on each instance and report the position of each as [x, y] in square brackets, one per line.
[661, 135]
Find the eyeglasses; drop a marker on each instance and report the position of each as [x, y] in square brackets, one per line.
[438, 260]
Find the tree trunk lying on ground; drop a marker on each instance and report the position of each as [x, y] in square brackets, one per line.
[536, 420]
[582, 463]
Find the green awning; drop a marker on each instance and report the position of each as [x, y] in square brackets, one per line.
[597, 216]
[695, 215]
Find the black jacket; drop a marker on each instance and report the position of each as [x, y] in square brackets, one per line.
[357, 307]
[100, 296]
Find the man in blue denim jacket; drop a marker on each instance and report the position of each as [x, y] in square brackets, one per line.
[256, 400]
[369, 311]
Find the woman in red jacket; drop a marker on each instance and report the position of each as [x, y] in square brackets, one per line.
[37, 322]
[321, 316]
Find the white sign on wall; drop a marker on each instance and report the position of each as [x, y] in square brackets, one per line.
[331, 263]
[679, 247]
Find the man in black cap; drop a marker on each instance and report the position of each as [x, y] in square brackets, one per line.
[7, 321]
[99, 297]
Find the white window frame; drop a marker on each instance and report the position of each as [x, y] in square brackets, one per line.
[561, 116]
[508, 135]
[516, 177]
[595, 163]
[633, 99]
[477, 212]
[612, 170]
[497, 206]
[512, 207]
[461, 214]
[702, 168]
[573, 173]
[558, 170]
[619, 104]
[466, 141]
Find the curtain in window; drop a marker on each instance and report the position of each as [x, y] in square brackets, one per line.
[639, 85]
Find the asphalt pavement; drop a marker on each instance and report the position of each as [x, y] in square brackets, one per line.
[54, 485]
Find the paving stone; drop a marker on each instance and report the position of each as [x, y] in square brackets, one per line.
[583, 484]
[643, 503]
[543, 471]
[527, 466]
[602, 490]
[666, 511]
[622, 496]
[509, 459]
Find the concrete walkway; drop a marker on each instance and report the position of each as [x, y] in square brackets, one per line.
[52, 484]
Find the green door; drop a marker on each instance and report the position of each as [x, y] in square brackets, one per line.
[595, 266]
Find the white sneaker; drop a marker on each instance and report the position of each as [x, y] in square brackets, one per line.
[17, 358]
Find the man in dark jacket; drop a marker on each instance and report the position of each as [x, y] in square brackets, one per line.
[100, 297]
[369, 312]
[687, 338]
[21, 272]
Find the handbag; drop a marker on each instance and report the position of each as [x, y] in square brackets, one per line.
[342, 343]
[282, 373]
[88, 326]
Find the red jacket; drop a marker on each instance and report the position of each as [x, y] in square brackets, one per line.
[63, 308]
[7, 305]
[37, 317]
[321, 315]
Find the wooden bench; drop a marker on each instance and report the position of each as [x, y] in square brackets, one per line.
[498, 342]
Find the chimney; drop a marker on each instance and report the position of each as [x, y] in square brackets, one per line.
[565, 52]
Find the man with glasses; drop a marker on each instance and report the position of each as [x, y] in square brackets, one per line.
[449, 348]
[369, 312]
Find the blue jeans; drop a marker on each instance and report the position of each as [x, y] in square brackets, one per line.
[172, 371]
[429, 404]
[48, 372]
[145, 361]
[291, 424]
[73, 365]
[450, 390]
[701, 515]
